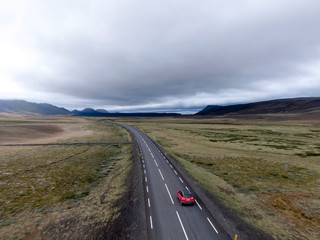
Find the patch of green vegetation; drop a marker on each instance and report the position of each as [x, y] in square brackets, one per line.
[308, 154]
[315, 130]
[305, 135]
[228, 137]
[71, 179]
[7, 223]
[255, 174]
[265, 132]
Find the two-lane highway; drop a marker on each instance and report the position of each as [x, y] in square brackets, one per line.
[167, 219]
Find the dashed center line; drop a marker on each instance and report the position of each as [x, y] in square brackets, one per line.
[171, 166]
[151, 225]
[169, 193]
[146, 179]
[198, 204]
[175, 172]
[149, 202]
[161, 174]
[184, 231]
[181, 179]
[147, 188]
[155, 162]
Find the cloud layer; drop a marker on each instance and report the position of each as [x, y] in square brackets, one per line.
[142, 55]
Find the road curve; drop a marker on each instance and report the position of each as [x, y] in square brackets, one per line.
[166, 218]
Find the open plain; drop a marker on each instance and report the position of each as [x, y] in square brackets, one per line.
[267, 172]
[62, 191]
[264, 171]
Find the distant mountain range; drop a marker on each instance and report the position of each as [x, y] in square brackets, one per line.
[292, 105]
[24, 107]
[89, 112]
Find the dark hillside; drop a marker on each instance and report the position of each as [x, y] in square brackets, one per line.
[294, 105]
[24, 107]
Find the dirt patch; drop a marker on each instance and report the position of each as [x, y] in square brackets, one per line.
[34, 133]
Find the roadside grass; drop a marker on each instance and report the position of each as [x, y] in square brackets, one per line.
[267, 172]
[44, 182]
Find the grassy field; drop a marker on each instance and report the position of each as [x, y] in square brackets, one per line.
[55, 192]
[268, 172]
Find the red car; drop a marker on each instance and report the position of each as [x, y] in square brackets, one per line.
[185, 197]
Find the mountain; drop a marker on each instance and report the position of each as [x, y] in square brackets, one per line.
[102, 111]
[292, 105]
[24, 107]
[89, 112]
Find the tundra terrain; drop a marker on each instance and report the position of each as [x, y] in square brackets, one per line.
[265, 172]
[63, 191]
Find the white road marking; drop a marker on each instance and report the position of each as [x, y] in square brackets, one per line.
[180, 179]
[152, 155]
[145, 172]
[212, 225]
[151, 222]
[187, 188]
[144, 166]
[175, 172]
[155, 162]
[146, 179]
[198, 204]
[169, 193]
[161, 174]
[147, 188]
[149, 202]
[167, 161]
[184, 231]
[171, 166]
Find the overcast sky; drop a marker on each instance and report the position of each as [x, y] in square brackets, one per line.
[126, 55]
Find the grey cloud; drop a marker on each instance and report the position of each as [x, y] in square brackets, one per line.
[137, 53]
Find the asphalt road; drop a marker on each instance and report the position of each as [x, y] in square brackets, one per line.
[166, 218]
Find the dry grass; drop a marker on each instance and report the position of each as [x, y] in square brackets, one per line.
[41, 186]
[268, 172]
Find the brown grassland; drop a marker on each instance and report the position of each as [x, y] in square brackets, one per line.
[267, 172]
[60, 191]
